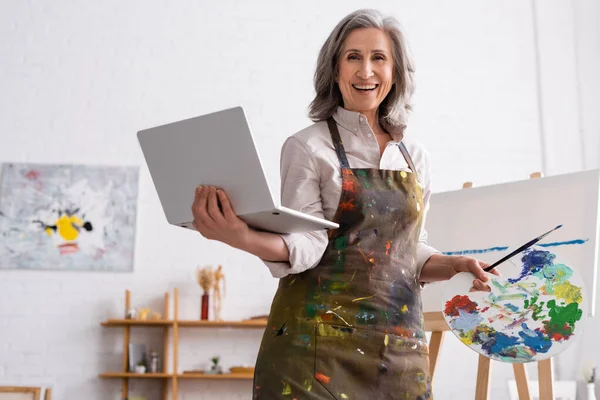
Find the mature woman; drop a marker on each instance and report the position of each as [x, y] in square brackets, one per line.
[346, 321]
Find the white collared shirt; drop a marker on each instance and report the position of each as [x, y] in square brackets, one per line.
[311, 181]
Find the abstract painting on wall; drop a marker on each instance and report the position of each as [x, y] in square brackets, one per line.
[529, 316]
[68, 217]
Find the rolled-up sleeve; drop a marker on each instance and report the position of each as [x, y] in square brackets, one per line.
[424, 251]
[300, 190]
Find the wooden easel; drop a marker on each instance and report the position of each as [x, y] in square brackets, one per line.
[436, 324]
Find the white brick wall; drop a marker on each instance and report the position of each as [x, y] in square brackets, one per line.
[79, 79]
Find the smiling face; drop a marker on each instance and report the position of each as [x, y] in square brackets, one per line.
[366, 68]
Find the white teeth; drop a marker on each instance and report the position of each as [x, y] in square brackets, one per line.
[365, 87]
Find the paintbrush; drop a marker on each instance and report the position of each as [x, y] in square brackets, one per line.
[520, 249]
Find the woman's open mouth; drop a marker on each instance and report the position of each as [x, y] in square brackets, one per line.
[365, 88]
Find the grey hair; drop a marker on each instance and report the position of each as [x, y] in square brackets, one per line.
[394, 108]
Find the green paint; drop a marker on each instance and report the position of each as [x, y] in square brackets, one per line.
[311, 310]
[562, 319]
[510, 296]
[337, 286]
[536, 308]
[555, 273]
[364, 181]
[390, 182]
[500, 287]
[341, 243]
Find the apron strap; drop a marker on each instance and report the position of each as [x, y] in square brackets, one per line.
[341, 153]
[337, 143]
[408, 159]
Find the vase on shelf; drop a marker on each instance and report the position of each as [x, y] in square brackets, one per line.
[204, 307]
[591, 391]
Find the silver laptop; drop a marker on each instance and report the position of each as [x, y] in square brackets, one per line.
[217, 149]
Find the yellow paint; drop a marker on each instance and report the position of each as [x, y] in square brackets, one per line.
[404, 308]
[308, 384]
[403, 174]
[66, 227]
[466, 341]
[49, 231]
[344, 396]
[321, 330]
[286, 389]
[567, 291]
[386, 339]
[362, 298]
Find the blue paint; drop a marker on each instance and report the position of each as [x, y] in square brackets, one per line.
[533, 262]
[535, 340]
[474, 251]
[499, 343]
[577, 241]
[511, 307]
[504, 248]
[466, 321]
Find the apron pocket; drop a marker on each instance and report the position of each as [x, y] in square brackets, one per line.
[354, 363]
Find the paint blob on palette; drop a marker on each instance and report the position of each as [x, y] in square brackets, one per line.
[530, 316]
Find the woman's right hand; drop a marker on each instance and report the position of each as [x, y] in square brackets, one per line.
[218, 223]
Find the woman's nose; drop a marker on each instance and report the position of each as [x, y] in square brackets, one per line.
[366, 70]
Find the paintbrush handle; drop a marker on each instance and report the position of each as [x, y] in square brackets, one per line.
[512, 254]
[520, 249]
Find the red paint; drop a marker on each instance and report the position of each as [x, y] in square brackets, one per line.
[460, 303]
[327, 317]
[32, 174]
[347, 205]
[322, 378]
[400, 331]
[349, 185]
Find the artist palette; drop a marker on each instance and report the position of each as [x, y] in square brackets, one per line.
[533, 314]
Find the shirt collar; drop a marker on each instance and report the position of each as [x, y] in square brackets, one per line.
[355, 122]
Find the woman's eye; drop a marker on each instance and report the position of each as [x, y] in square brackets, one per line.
[353, 57]
[379, 58]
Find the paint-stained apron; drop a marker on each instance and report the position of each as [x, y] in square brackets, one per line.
[352, 327]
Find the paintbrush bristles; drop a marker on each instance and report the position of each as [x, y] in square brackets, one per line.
[205, 278]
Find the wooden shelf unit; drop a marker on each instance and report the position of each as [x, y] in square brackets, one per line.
[213, 376]
[167, 325]
[222, 324]
[134, 375]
